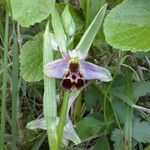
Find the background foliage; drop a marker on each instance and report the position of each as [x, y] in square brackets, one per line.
[107, 116]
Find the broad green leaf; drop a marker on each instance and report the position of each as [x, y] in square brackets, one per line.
[139, 89]
[27, 12]
[68, 22]
[59, 30]
[89, 35]
[31, 59]
[127, 27]
[141, 131]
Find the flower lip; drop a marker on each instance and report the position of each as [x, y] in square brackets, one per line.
[73, 78]
[71, 85]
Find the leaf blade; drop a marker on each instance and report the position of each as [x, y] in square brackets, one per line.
[90, 33]
[31, 12]
[132, 33]
[31, 55]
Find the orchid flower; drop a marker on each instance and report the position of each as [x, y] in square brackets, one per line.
[74, 70]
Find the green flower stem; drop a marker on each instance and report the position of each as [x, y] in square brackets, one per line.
[49, 101]
[62, 118]
[4, 86]
[78, 107]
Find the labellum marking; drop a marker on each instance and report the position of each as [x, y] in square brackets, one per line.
[73, 78]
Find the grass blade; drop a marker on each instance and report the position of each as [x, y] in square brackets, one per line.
[4, 86]
[129, 111]
[15, 75]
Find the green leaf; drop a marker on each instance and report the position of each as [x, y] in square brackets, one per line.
[59, 30]
[75, 13]
[102, 144]
[118, 140]
[118, 92]
[141, 89]
[147, 148]
[119, 109]
[95, 7]
[89, 126]
[49, 98]
[31, 59]
[127, 27]
[82, 4]
[3, 3]
[141, 131]
[68, 22]
[92, 96]
[90, 33]
[27, 13]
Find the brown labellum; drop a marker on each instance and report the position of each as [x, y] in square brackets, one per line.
[73, 78]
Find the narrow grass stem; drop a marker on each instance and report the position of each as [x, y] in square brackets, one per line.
[62, 118]
[15, 75]
[4, 86]
[140, 108]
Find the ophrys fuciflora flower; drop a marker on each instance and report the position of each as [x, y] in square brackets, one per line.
[74, 70]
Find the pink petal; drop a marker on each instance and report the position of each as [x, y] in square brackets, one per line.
[92, 71]
[56, 68]
[69, 133]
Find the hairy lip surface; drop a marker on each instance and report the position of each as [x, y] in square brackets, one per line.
[73, 78]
